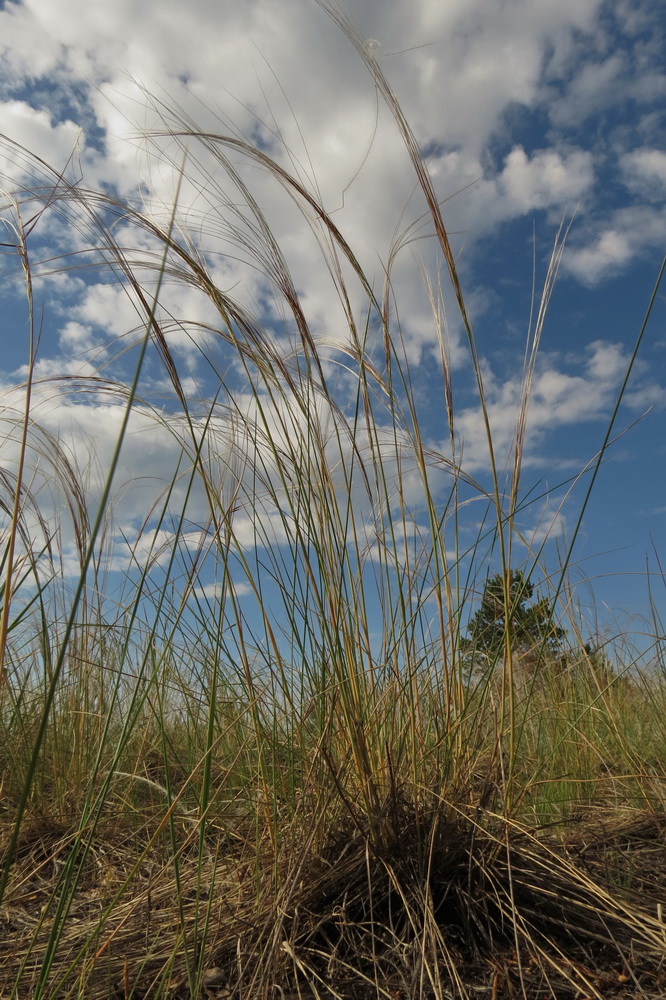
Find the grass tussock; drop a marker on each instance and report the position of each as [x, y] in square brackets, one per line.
[267, 762]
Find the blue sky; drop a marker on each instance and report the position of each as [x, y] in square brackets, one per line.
[530, 113]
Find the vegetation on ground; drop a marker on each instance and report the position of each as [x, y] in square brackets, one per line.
[291, 783]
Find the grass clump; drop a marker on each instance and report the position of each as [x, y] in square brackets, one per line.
[291, 782]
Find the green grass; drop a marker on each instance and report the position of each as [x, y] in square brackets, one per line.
[297, 791]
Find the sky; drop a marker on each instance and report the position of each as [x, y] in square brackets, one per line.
[531, 116]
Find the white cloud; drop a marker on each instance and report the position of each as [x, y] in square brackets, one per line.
[480, 59]
[607, 362]
[644, 172]
[604, 257]
[551, 524]
[559, 399]
[278, 73]
[596, 85]
[545, 179]
[46, 368]
[631, 231]
[29, 49]
[35, 131]
[485, 58]
[214, 592]
[75, 336]
[110, 308]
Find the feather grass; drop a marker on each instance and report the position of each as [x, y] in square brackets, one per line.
[299, 791]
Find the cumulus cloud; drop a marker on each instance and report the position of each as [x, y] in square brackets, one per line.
[280, 74]
[277, 74]
[480, 59]
[215, 592]
[630, 232]
[545, 179]
[605, 256]
[559, 399]
[550, 524]
[644, 172]
[594, 86]
[35, 131]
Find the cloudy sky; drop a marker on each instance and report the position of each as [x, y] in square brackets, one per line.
[530, 114]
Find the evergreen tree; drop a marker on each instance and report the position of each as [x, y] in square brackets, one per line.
[531, 627]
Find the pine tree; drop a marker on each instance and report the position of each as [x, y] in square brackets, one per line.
[531, 626]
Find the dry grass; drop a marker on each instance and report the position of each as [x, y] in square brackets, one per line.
[305, 894]
[443, 904]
